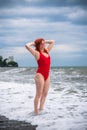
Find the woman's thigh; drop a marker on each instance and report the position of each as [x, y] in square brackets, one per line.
[46, 85]
[39, 80]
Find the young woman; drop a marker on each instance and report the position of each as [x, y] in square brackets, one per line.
[42, 78]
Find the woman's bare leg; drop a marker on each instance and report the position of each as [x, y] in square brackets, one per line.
[44, 93]
[39, 80]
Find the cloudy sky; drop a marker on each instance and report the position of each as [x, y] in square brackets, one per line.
[65, 21]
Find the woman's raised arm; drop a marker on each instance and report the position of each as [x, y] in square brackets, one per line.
[51, 44]
[30, 48]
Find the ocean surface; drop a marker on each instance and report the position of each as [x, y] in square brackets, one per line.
[66, 103]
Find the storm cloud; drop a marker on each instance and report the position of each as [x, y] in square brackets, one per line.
[65, 21]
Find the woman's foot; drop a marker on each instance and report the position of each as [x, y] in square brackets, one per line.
[36, 112]
[40, 109]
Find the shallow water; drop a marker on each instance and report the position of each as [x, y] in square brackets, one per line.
[66, 104]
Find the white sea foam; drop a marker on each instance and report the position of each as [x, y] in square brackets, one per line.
[14, 70]
[64, 109]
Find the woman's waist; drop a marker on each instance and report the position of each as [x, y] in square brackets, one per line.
[43, 69]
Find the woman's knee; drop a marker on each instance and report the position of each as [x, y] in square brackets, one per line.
[44, 94]
[38, 96]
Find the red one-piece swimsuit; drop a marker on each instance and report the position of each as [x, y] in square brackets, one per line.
[43, 65]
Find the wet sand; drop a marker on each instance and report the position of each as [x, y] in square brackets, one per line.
[6, 124]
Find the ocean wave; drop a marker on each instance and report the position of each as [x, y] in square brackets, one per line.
[66, 103]
[63, 109]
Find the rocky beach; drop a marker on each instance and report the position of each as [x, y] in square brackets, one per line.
[6, 124]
